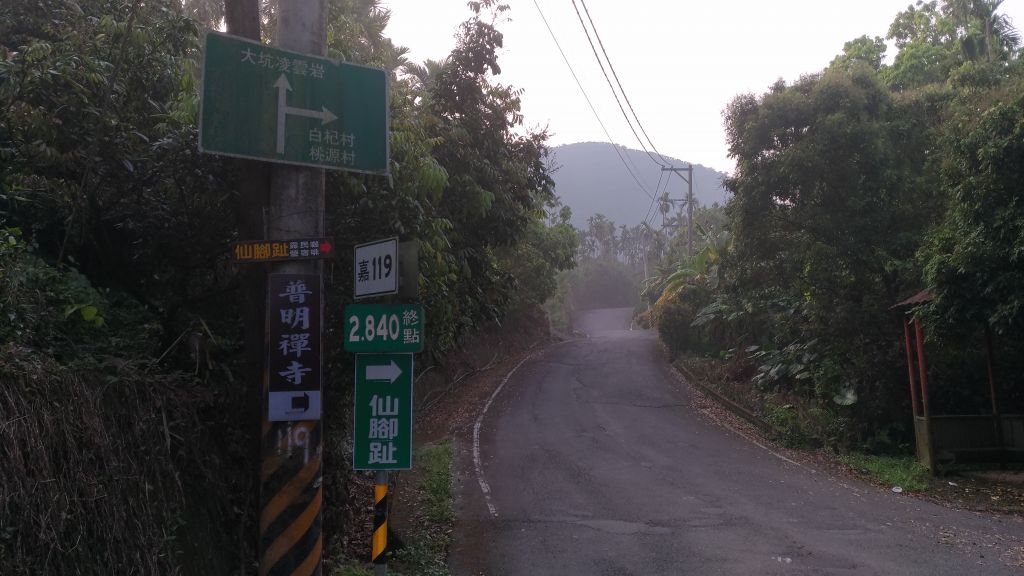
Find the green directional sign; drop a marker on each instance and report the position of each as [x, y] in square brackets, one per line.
[270, 104]
[382, 431]
[384, 328]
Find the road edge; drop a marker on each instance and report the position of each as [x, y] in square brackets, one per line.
[478, 424]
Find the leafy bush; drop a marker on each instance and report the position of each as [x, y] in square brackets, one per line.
[674, 315]
[808, 425]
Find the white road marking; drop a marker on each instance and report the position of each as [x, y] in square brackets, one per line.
[477, 462]
[765, 448]
[725, 425]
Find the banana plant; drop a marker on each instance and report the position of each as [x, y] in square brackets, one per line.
[702, 269]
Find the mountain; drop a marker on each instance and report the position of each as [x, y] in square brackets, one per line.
[590, 179]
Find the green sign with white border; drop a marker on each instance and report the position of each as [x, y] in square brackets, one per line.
[384, 328]
[382, 412]
[265, 103]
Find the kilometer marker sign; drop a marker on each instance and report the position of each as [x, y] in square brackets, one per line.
[375, 270]
[384, 328]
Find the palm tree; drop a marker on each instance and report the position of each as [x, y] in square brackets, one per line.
[1000, 35]
[588, 244]
[984, 31]
[425, 74]
[625, 245]
[603, 231]
[701, 269]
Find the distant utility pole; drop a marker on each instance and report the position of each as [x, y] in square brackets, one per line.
[689, 202]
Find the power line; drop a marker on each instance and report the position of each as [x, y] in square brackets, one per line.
[655, 199]
[611, 87]
[629, 160]
[645, 223]
[589, 103]
[617, 82]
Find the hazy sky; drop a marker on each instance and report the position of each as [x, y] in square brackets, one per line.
[680, 62]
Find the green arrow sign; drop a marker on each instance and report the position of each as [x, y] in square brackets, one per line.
[384, 328]
[383, 412]
[269, 104]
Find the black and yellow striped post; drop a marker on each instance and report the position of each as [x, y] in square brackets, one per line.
[291, 486]
[292, 494]
[380, 524]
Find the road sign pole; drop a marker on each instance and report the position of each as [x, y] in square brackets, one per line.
[291, 491]
[380, 524]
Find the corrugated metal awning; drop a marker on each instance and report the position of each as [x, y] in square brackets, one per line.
[919, 298]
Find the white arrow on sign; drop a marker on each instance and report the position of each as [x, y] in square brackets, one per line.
[283, 110]
[389, 372]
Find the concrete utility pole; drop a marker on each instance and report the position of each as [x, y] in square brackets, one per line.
[689, 203]
[291, 539]
[252, 178]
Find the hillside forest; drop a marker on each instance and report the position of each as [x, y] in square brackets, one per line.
[590, 179]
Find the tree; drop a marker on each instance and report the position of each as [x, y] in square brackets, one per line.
[975, 259]
[936, 40]
[982, 32]
[425, 74]
[828, 205]
[534, 264]
[602, 230]
[355, 33]
[865, 50]
[922, 23]
[207, 13]
[495, 190]
[920, 64]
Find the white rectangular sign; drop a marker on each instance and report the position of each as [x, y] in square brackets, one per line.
[375, 268]
[292, 406]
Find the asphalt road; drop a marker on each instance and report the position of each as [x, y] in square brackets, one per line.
[597, 464]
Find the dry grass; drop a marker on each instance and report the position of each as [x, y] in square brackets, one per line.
[96, 459]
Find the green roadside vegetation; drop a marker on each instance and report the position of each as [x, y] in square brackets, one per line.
[428, 520]
[436, 463]
[856, 187]
[425, 550]
[902, 471]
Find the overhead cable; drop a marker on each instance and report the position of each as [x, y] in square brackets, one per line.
[589, 103]
[617, 82]
[612, 88]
